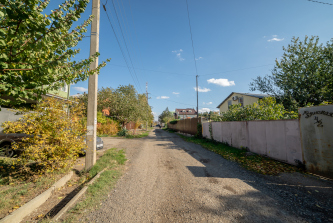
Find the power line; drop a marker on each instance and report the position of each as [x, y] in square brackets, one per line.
[129, 55]
[121, 49]
[189, 23]
[325, 3]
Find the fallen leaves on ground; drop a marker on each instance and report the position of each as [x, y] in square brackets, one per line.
[255, 162]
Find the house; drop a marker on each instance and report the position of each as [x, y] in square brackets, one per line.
[239, 98]
[183, 113]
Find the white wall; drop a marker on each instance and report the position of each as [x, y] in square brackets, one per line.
[278, 139]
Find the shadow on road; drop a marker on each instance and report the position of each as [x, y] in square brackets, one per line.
[294, 193]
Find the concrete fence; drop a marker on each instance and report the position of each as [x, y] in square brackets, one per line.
[185, 126]
[278, 139]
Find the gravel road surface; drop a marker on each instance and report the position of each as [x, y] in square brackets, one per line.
[170, 180]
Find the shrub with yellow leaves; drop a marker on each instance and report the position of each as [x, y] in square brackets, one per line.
[56, 137]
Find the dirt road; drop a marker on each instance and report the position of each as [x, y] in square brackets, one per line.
[170, 180]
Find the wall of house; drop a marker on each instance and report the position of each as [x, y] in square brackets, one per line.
[61, 92]
[247, 101]
[279, 139]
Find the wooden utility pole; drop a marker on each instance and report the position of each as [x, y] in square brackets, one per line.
[92, 89]
[197, 98]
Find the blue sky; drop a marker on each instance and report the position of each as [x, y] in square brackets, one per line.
[234, 42]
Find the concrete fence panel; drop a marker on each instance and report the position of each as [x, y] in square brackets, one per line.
[317, 139]
[293, 141]
[226, 132]
[257, 137]
[217, 130]
[276, 139]
[239, 136]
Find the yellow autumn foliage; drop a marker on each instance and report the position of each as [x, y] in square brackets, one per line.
[56, 134]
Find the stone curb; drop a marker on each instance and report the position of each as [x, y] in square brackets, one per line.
[76, 197]
[29, 207]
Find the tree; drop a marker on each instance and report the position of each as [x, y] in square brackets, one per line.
[304, 74]
[36, 49]
[166, 116]
[264, 109]
[124, 104]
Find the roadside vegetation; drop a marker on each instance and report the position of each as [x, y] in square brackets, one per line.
[303, 76]
[112, 161]
[118, 107]
[264, 109]
[250, 161]
[54, 137]
[37, 49]
[17, 192]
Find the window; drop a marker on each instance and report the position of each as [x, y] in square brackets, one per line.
[190, 111]
[241, 101]
[229, 103]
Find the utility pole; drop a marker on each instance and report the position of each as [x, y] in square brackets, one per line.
[92, 89]
[197, 98]
[147, 104]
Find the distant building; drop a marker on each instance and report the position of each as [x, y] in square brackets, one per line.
[239, 98]
[183, 113]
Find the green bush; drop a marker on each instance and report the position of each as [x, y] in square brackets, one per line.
[264, 109]
[199, 131]
[174, 121]
[123, 132]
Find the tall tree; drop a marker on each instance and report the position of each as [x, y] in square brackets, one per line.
[36, 49]
[124, 104]
[166, 116]
[303, 75]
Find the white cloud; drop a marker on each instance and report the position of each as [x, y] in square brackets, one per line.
[204, 110]
[275, 39]
[175, 93]
[202, 89]
[200, 58]
[222, 82]
[162, 97]
[208, 103]
[180, 57]
[178, 54]
[81, 89]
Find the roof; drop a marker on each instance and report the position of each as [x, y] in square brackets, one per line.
[180, 111]
[260, 96]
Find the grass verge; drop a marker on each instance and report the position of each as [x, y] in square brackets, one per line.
[255, 162]
[112, 161]
[15, 192]
[129, 136]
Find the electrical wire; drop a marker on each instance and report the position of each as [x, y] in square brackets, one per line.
[189, 23]
[133, 77]
[325, 3]
[121, 49]
[122, 33]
